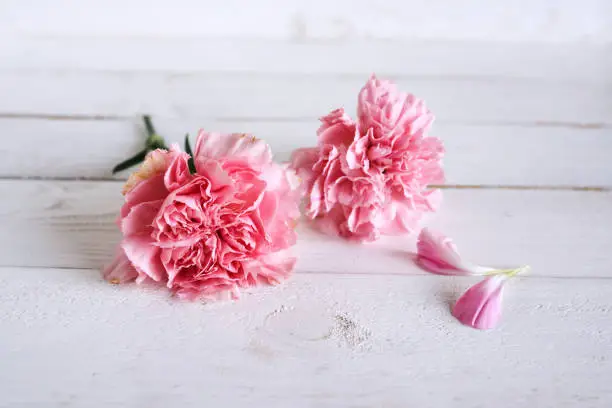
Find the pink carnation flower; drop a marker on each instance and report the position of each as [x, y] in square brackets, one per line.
[372, 177]
[225, 227]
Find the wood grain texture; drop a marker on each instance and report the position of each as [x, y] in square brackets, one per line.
[558, 233]
[476, 154]
[70, 339]
[295, 96]
[581, 63]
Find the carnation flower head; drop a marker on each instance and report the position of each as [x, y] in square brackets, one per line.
[226, 226]
[371, 177]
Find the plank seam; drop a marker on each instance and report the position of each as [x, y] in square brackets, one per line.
[311, 272]
[597, 189]
[297, 119]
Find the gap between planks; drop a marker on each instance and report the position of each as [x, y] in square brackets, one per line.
[298, 271]
[442, 186]
[234, 96]
[230, 119]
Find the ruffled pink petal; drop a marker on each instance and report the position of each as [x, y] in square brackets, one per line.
[357, 153]
[330, 223]
[337, 116]
[221, 184]
[337, 135]
[316, 198]
[152, 189]
[276, 218]
[341, 191]
[144, 255]
[430, 148]
[248, 184]
[361, 225]
[397, 218]
[140, 218]
[302, 160]
[270, 269]
[337, 129]
[480, 306]
[236, 145]
[155, 163]
[212, 290]
[429, 200]
[177, 174]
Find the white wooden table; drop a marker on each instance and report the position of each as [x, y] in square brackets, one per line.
[528, 132]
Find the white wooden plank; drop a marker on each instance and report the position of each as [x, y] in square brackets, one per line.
[291, 96]
[318, 341]
[558, 233]
[476, 154]
[583, 63]
[520, 21]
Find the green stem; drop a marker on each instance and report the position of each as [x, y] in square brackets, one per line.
[517, 271]
[509, 272]
[149, 125]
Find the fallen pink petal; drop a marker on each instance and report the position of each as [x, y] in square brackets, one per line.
[436, 253]
[480, 306]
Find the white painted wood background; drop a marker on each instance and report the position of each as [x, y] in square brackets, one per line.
[523, 95]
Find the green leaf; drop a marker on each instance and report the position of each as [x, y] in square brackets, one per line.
[190, 162]
[132, 161]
